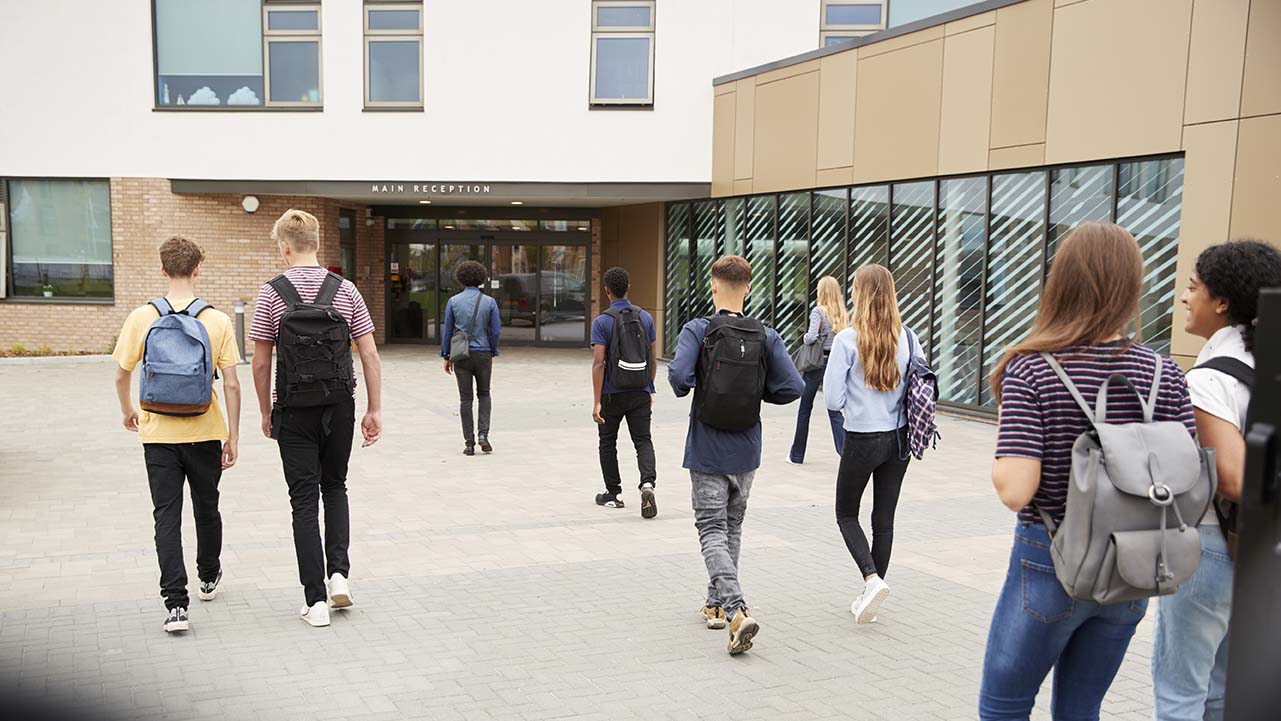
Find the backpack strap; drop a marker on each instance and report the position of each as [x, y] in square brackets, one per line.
[329, 288]
[1076, 393]
[196, 307]
[1232, 367]
[1099, 413]
[286, 290]
[161, 305]
[475, 311]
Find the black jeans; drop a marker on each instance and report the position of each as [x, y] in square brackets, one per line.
[315, 446]
[635, 406]
[873, 456]
[477, 367]
[813, 379]
[200, 464]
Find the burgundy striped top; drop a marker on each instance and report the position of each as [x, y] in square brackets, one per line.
[307, 279]
[1040, 420]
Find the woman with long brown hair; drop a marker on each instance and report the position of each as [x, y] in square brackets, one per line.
[864, 382]
[1087, 321]
[828, 318]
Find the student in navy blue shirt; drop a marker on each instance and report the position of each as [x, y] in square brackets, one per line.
[613, 405]
[478, 367]
[722, 464]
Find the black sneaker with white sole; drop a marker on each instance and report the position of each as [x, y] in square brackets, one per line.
[177, 621]
[208, 590]
[649, 506]
[609, 500]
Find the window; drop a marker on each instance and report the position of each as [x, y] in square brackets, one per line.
[969, 254]
[394, 55]
[622, 53]
[237, 53]
[291, 44]
[842, 21]
[60, 233]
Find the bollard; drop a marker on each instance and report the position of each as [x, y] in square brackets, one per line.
[240, 330]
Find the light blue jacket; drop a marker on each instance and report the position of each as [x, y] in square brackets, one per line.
[845, 390]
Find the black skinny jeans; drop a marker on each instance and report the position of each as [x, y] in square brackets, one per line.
[875, 457]
[477, 367]
[636, 408]
[200, 464]
[315, 447]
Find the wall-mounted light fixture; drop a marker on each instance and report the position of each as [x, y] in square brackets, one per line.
[250, 203]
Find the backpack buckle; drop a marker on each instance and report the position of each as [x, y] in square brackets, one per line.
[306, 377]
[304, 340]
[1160, 494]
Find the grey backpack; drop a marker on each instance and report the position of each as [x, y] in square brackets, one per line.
[1136, 494]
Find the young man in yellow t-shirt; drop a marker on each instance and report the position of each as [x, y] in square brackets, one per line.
[177, 448]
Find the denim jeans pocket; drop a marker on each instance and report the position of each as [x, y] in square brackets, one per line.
[1043, 597]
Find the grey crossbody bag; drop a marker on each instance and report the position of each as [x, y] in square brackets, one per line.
[460, 340]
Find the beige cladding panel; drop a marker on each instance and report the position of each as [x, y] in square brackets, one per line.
[903, 41]
[1021, 73]
[1215, 60]
[973, 22]
[1261, 89]
[1256, 191]
[1019, 156]
[967, 101]
[1117, 79]
[744, 125]
[785, 135]
[836, 94]
[899, 98]
[723, 144]
[1209, 155]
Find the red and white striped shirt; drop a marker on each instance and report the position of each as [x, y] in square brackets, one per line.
[307, 279]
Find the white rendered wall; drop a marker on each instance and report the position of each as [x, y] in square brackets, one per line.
[506, 97]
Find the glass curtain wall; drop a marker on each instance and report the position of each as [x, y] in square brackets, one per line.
[969, 254]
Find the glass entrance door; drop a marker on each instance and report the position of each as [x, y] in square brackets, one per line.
[412, 298]
[564, 298]
[514, 284]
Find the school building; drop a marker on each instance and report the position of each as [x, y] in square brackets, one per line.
[955, 142]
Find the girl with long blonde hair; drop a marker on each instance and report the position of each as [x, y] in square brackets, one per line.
[827, 318]
[864, 382]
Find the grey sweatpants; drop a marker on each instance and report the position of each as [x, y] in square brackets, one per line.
[720, 504]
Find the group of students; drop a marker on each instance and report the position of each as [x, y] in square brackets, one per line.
[1083, 338]
[310, 318]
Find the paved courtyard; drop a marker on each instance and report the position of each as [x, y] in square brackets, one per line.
[489, 587]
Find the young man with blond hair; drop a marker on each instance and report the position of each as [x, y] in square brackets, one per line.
[732, 363]
[312, 409]
[193, 444]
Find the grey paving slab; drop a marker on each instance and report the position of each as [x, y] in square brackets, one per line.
[489, 587]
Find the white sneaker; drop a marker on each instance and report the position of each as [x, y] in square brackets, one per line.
[316, 615]
[864, 607]
[339, 592]
[789, 460]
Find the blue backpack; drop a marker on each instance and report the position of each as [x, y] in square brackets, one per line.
[177, 362]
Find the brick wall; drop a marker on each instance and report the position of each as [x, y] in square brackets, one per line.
[240, 257]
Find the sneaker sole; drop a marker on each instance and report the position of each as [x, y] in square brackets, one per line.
[746, 633]
[649, 506]
[177, 627]
[207, 596]
[869, 613]
[314, 624]
[341, 600]
[716, 624]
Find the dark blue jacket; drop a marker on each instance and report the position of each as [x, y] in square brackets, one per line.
[711, 450]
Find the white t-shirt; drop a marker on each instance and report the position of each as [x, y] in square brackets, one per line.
[1219, 394]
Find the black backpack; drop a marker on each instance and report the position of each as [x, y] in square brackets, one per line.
[1223, 508]
[730, 375]
[629, 359]
[314, 343]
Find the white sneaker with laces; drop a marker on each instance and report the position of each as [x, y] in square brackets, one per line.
[339, 592]
[864, 607]
[316, 615]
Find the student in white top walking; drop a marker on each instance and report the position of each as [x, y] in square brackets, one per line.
[1190, 644]
[864, 381]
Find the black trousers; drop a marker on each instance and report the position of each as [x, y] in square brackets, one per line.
[874, 457]
[476, 368]
[315, 446]
[168, 465]
[635, 407]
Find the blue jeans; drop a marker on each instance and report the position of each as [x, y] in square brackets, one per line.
[812, 381]
[1190, 645]
[1036, 626]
